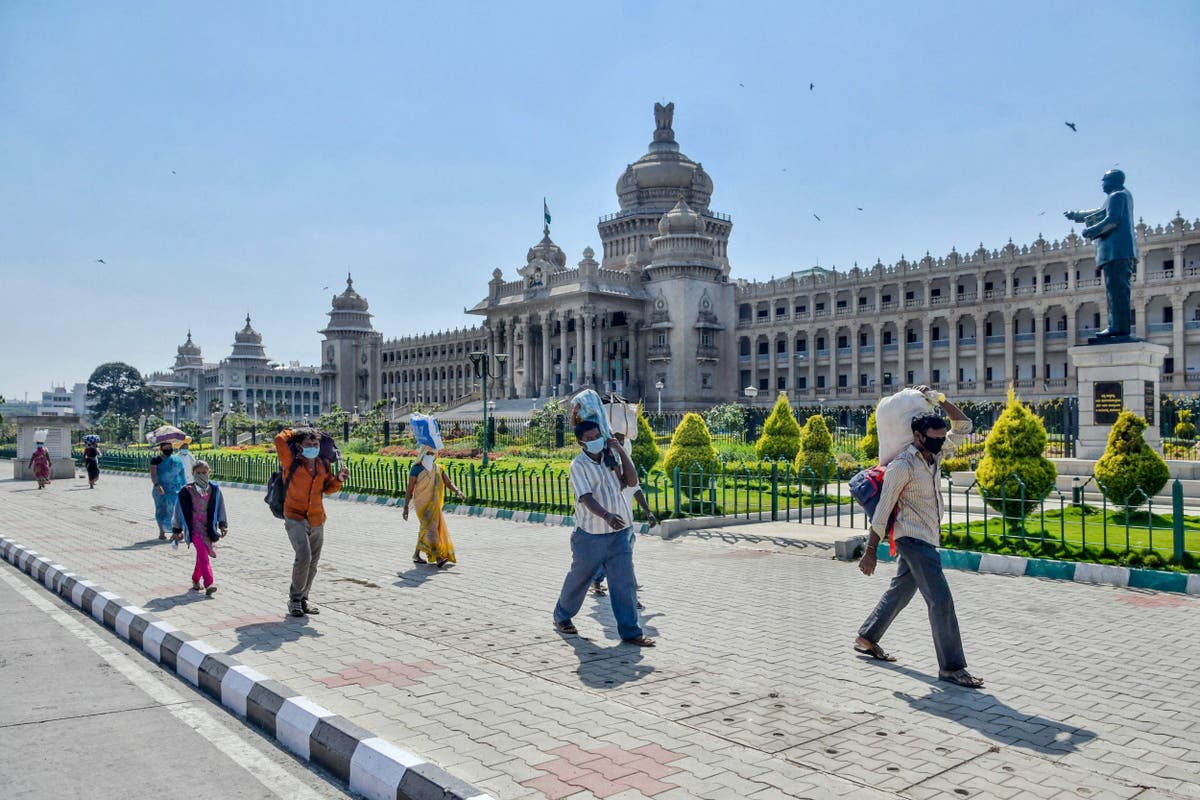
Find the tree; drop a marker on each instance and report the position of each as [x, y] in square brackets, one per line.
[1185, 429]
[262, 408]
[815, 461]
[214, 405]
[118, 387]
[691, 447]
[544, 422]
[645, 450]
[1129, 471]
[281, 408]
[116, 427]
[781, 433]
[726, 418]
[870, 442]
[1012, 459]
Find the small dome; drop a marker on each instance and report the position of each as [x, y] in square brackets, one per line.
[663, 172]
[188, 348]
[248, 335]
[349, 300]
[680, 220]
[547, 251]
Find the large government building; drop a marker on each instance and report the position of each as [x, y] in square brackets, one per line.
[661, 308]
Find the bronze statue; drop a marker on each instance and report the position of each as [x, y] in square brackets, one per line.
[1111, 228]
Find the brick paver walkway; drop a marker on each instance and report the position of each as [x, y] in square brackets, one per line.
[753, 691]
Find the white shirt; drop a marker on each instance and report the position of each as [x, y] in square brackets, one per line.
[589, 477]
[188, 461]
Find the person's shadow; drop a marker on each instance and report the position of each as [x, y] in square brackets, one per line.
[606, 665]
[267, 636]
[142, 545]
[418, 574]
[977, 709]
[167, 603]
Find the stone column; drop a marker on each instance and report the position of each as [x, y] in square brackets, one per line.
[878, 332]
[901, 376]
[854, 382]
[927, 353]
[1178, 377]
[634, 369]
[585, 364]
[980, 348]
[547, 366]
[510, 365]
[1009, 361]
[791, 352]
[601, 351]
[527, 359]
[577, 362]
[1072, 284]
[1039, 348]
[771, 365]
[953, 380]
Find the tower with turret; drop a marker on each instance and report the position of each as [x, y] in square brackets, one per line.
[351, 354]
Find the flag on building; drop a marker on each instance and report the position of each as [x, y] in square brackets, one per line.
[546, 211]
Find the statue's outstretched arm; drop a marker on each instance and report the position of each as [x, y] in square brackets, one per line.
[1112, 213]
[1086, 217]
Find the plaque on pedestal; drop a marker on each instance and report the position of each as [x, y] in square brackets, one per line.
[1108, 401]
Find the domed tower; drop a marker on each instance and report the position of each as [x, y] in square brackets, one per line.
[351, 360]
[649, 188]
[248, 351]
[188, 356]
[189, 369]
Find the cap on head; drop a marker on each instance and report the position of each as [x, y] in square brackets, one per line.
[1115, 177]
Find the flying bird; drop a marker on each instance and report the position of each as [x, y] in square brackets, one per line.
[859, 208]
[99, 260]
[172, 172]
[1041, 213]
[810, 86]
[1071, 125]
[742, 85]
[323, 288]
[818, 219]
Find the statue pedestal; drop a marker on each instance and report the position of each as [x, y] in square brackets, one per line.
[1112, 378]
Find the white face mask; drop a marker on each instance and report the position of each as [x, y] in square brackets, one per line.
[427, 462]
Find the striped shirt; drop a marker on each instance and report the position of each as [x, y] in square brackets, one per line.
[912, 486]
[588, 477]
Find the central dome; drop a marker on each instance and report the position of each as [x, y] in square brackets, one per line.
[658, 178]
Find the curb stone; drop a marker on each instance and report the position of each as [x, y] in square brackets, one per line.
[365, 763]
[1077, 571]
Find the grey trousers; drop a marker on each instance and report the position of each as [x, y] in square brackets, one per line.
[306, 541]
[920, 568]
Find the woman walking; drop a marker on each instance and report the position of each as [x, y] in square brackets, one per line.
[39, 462]
[200, 519]
[91, 459]
[166, 473]
[427, 484]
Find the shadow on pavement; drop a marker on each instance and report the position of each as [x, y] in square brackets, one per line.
[607, 667]
[167, 603]
[417, 575]
[266, 636]
[987, 714]
[142, 545]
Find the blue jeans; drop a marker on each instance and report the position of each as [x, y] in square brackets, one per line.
[600, 574]
[613, 553]
[920, 568]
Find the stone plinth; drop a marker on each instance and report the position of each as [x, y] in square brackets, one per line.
[1114, 378]
[58, 443]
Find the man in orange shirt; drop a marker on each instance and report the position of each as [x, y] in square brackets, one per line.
[308, 479]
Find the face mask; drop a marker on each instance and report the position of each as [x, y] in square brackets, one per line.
[166, 451]
[427, 462]
[310, 452]
[201, 480]
[934, 446]
[595, 446]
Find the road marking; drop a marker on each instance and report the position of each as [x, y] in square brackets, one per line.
[240, 750]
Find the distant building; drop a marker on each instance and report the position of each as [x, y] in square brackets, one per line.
[61, 401]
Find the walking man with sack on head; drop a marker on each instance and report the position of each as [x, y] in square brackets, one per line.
[911, 489]
[309, 479]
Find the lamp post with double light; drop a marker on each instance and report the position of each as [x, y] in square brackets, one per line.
[483, 371]
[659, 386]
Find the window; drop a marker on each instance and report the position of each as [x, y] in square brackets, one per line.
[987, 287]
[989, 373]
[820, 342]
[1096, 320]
[936, 333]
[960, 330]
[862, 379]
[841, 303]
[910, 336]
[1168, 366]
[960, 374]
[820, 381]
[802, 382]
[960, 288]
[802, 346]
[1168, 314]
[802, 309]
[908, 295]
[661, 340]
[935, 293]
[937, 376]
[820, 306]
[1016, 282]
[987, 329]
[705, 380]
[910, 378]
[781, 383]
[862, 339]
[1169, 265]
[706, 339]
[887, 298]
[887, 337]
[764, 384]
[780, 346]
[843, 381]
[843, 341]
[862, 301]
[764, 348]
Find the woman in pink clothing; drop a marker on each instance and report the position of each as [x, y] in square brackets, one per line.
[200, 518]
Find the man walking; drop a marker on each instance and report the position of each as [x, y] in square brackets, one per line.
[911, 489]
[602, 535]
[308, 481]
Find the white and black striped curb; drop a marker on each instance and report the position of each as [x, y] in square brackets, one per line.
[484, 512]
[368, 765]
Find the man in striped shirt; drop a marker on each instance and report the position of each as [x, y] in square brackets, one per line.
[601, 537]
[911, 489]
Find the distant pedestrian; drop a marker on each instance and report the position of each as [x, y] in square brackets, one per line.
[911, 487]
[188, 460]
[427, 485]
[91, 459]
[632, 494]
[166, 473]
[309, 478]
[200, 520]
[40, 463]
[601, 537]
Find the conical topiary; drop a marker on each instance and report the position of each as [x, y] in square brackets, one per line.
[1129, 471]
[815, 463]
[645, 450]
[1185, 429]
[1013, 455]
[781, 433]
[869, 443]
[691, 447]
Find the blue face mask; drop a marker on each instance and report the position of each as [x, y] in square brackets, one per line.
[310, 452]
[595, 446]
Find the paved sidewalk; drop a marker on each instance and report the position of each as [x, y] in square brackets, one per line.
[753, 691]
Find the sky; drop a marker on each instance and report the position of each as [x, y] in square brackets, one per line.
[226, 158]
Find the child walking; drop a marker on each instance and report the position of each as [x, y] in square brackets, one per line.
[200, 517]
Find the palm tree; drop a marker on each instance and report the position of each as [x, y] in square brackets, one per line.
[263, 408]
[214, 405]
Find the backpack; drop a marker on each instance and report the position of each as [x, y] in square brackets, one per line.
[866, 487]
[277, 487]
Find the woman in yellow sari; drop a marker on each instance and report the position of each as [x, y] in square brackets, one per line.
[427, 484]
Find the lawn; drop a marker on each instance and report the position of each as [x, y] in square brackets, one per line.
[1087, 526]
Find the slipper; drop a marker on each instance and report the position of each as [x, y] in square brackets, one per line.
[640, 641]
[420, 561]
[874, 651]
[962, 678]
[566, 627]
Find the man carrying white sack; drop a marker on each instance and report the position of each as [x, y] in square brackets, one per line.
[911, 488]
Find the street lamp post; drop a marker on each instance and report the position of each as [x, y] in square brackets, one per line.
[659, 386]
[483, 371]
[751, 392]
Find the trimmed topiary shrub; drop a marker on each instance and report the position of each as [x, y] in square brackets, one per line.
[815, 463]
[781, 433]
[1129, 470]
[1185, 429]
[869, 443]
[691, 447]
[1013, 450]
[645, 452]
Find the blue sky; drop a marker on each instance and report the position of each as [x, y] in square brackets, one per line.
[229, 157]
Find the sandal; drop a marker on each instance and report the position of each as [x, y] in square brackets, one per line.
[962, 678]
[598, 589]
[640, 641]
[565, 627]
[419, 561]
[444, 563]
[874, 651]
